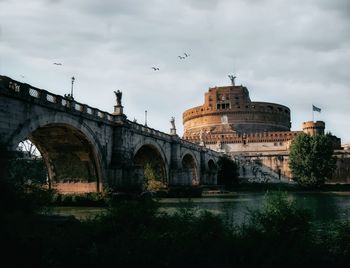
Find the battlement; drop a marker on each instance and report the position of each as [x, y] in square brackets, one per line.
[260, 137]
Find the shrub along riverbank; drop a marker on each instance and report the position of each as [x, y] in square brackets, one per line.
[102, 199]
[133, 233]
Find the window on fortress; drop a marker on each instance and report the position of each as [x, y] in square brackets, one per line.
[227, 106]
[280, 110]
[218, 106]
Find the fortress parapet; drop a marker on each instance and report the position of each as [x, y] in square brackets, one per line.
[261, 137]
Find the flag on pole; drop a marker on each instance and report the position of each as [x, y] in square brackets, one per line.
[314, 108]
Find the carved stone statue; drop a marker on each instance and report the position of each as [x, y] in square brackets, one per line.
[118, 95]
[172, 121]
[173, 128]
[232, 78]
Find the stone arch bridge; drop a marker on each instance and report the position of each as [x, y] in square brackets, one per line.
[87, 150]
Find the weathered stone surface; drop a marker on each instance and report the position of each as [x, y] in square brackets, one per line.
[229, 111]
[81, 144]
[256, 134]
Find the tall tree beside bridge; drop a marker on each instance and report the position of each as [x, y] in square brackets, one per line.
[311, 159]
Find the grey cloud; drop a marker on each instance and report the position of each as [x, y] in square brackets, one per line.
[340, 6]
[110, 8]
[293, 53]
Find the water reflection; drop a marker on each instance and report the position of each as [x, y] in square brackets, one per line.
[234, 209]
[323, 206]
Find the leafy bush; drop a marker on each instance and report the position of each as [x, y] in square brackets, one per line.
[16, 195]
[135, 234]
[280, 233]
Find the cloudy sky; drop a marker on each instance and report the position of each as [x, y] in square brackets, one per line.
[296, 53]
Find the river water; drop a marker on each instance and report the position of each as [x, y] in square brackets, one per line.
[325, 207]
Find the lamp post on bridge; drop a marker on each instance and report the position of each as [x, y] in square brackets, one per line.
[71, 91]
[146, 118]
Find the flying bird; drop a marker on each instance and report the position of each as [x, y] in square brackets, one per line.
[186, 55]
[181, 57]
[155, 68]
[57, 63]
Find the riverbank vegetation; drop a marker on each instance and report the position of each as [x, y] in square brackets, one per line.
[134, 233]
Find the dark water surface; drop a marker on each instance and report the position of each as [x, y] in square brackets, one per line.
[327, 206]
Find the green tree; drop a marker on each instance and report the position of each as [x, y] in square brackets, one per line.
[24, 165]
[311, 159]
[15, 194]
[23, 170]
[227, 171]
[153, 177]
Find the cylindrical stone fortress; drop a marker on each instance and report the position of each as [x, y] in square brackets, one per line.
[229, 110]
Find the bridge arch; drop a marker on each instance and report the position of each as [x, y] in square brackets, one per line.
[211, 165]
[70, 149]
[190, 168]
[151, 160]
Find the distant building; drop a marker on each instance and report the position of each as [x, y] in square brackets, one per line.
[256, 134]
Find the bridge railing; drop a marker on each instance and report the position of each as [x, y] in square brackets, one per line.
[23, 91]
[152, 131]
[166, 136]
[46, 98]
[192, 145]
